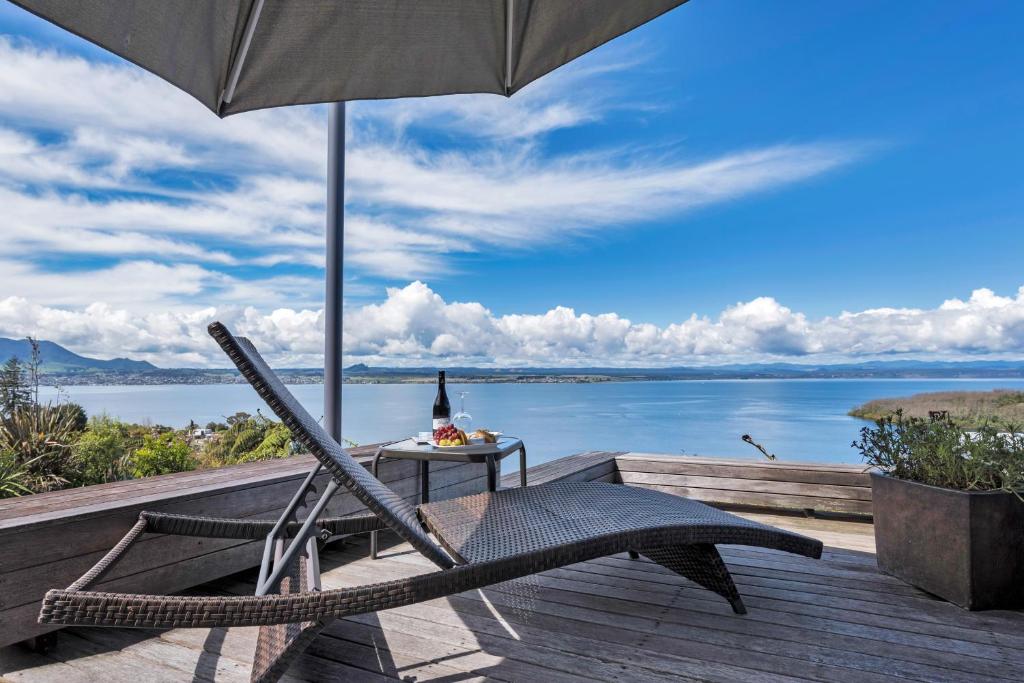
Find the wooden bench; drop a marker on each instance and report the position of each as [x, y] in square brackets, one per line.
[48, 540]
[760, 484]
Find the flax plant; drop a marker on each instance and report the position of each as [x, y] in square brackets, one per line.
[15, 479]
[39, 439]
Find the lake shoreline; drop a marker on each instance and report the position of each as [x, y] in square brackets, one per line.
[802, 419]
[311, 377]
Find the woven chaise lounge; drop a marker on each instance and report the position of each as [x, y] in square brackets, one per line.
[475, 541]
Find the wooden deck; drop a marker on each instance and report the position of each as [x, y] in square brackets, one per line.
[612, 619]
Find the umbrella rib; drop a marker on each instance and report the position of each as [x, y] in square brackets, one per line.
[509, 13]
[243, 50]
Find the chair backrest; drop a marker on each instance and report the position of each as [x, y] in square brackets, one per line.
[392, 509]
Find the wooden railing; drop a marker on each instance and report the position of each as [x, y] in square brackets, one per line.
[798, 486]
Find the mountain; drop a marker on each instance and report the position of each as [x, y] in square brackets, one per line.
[56, 359]
[65, 367]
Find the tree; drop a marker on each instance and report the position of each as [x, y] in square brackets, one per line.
[162, 454]
[14, 389]
[33, 370]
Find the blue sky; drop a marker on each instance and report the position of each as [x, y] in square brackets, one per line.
[721, 184]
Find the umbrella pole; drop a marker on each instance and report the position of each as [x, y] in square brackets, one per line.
[335, 268]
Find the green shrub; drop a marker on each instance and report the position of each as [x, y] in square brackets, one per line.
[101, 452]
[276, 443]
[162, 454]
[246, 439]
[942, 453]
[40, 438]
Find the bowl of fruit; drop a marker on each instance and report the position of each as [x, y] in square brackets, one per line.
[450, 436]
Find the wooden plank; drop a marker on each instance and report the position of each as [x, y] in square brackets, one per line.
[408, 650]
[71, 498]
[145, 496]
[762, 463]
[683, 465]
[747, 498]
[236, 645]
[814, 490]
[577, 467]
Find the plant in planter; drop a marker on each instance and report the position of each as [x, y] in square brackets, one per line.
[949, 507]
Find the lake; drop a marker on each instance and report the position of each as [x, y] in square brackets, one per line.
[795, 419]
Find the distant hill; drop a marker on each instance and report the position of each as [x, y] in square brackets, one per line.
[61, 366]
[57, 360]
[910, 369]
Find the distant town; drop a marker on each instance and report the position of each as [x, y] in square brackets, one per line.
[62, 367]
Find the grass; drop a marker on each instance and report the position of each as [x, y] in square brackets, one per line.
[968, 409]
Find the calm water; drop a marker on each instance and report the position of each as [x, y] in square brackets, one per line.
[795, 419]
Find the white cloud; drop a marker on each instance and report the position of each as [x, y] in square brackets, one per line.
[414, 325]
[137, 286]
[86, 150]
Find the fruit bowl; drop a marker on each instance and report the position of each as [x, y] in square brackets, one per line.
[450, 436]
[470, 442]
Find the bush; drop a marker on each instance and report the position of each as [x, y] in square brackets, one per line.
[247, 439]
[102, 452]
[39, 437]
[162, 454]
[942, 453]
[276, 443]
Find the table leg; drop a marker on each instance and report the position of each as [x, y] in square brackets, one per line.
[522, 466]
[373, 534]
[424, 481]
[492, 473]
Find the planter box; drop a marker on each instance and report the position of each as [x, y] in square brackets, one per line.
[966, 547]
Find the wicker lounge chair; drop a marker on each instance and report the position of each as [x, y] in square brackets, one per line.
[476, 541]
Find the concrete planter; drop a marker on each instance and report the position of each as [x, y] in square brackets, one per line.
[966, 547]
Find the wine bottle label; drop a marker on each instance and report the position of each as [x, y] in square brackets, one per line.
[441, 422]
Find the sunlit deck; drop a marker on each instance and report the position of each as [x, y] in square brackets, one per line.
[612, 619]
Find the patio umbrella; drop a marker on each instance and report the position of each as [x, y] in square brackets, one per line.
[239, 55]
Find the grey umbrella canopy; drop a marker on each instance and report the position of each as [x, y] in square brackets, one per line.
[240, 55]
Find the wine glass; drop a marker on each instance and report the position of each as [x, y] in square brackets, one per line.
[462, 419]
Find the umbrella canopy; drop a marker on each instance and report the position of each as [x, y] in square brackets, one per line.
[238, 55]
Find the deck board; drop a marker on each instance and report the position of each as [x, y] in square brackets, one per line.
[610, 619]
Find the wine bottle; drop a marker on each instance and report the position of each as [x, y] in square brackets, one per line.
[442, 409]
